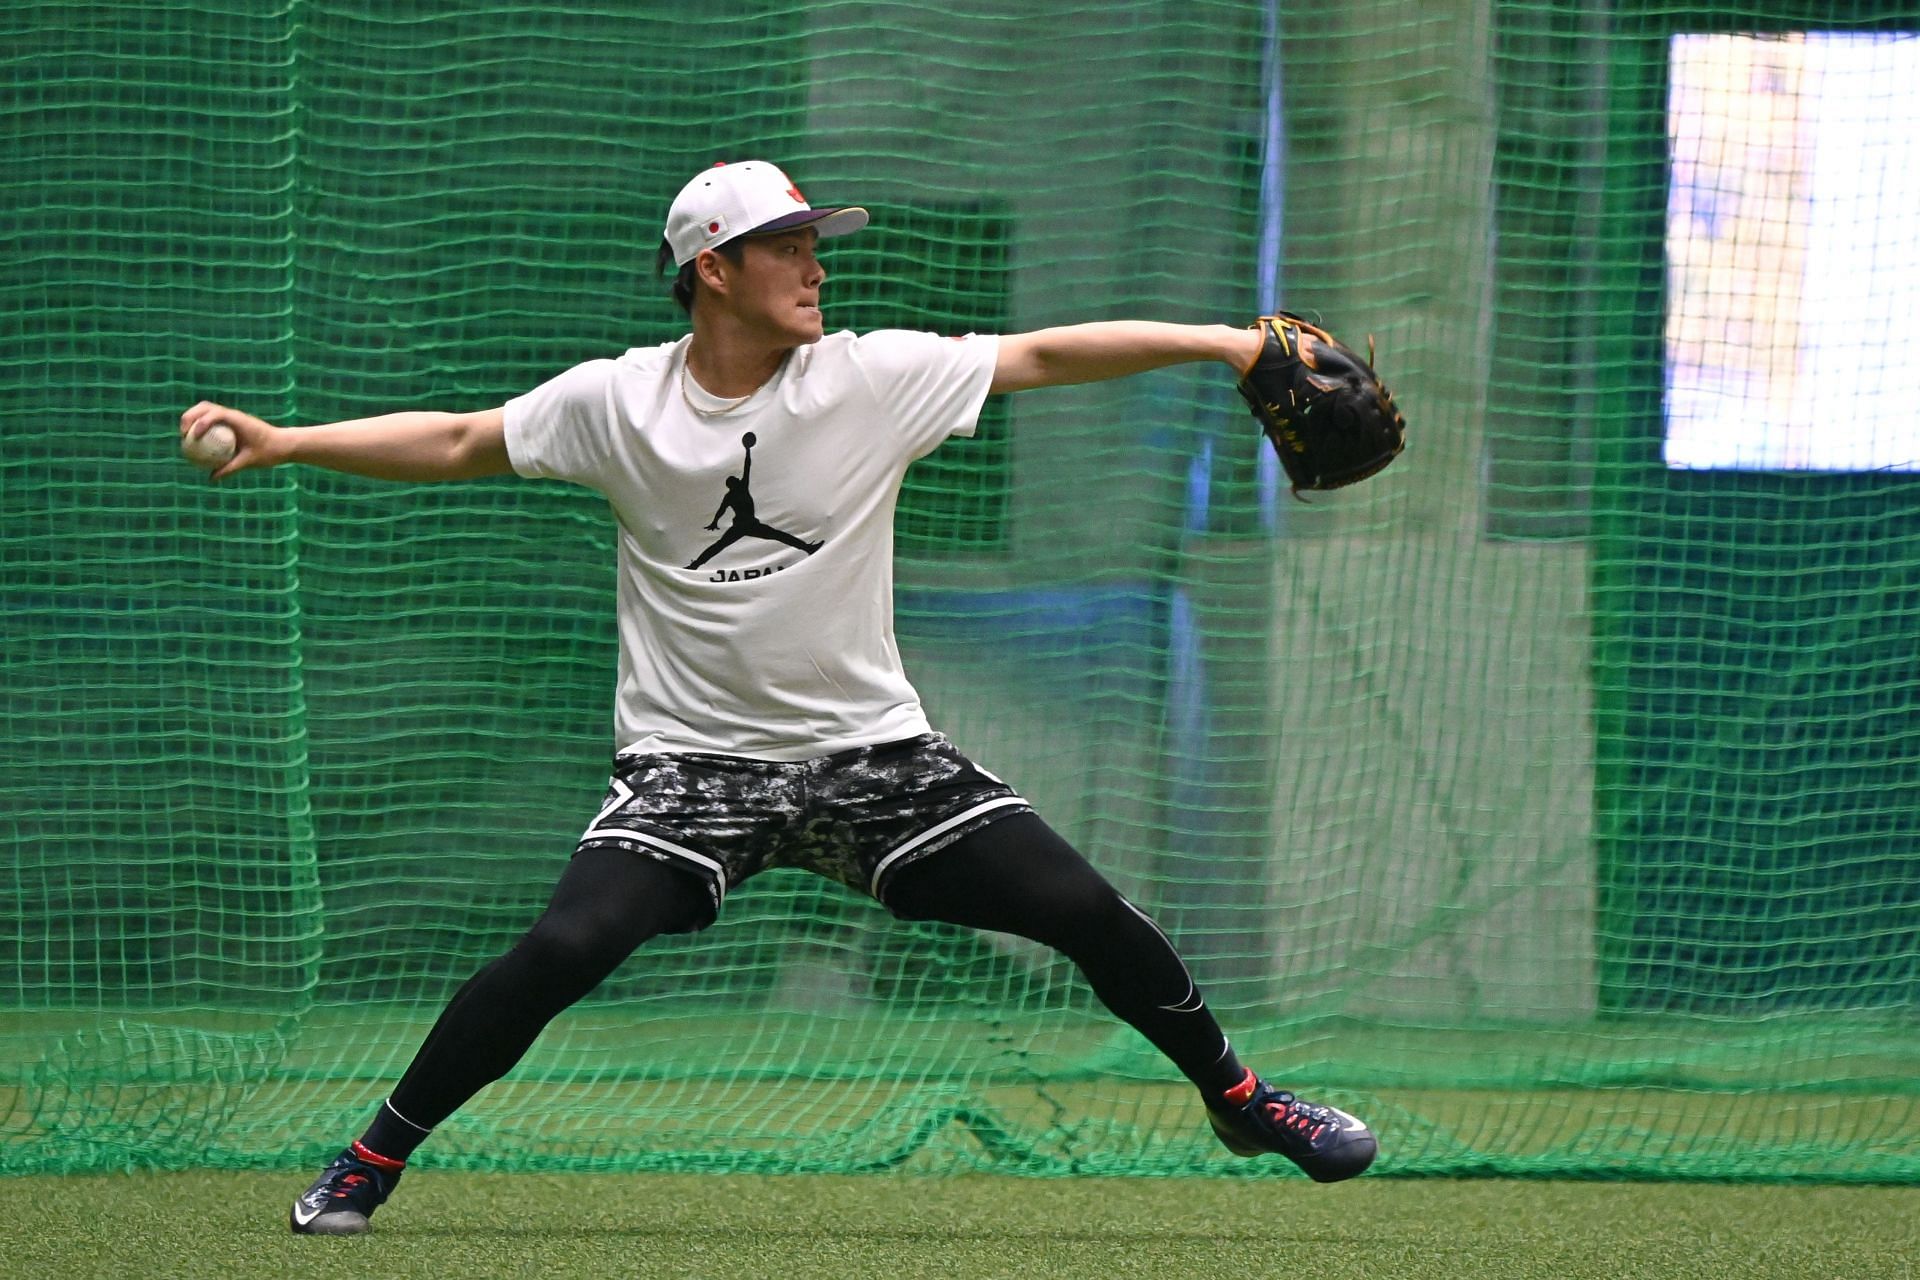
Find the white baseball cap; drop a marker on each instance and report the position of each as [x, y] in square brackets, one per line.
[748, 198]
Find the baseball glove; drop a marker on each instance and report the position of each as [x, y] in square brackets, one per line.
[1326, 413]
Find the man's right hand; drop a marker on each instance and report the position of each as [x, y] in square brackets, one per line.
[254, 439]
[410, 445]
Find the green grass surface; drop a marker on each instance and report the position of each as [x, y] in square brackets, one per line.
[456, 1225]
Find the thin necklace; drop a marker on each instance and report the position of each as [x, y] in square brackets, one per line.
[727, 407]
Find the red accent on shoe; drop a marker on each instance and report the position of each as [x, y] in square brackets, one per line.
[1287, 1117]
[377, 1160]
[1239, 1094]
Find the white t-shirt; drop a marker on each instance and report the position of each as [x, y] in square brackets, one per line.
[756, 583]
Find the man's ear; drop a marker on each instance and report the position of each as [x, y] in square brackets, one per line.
[712, 270]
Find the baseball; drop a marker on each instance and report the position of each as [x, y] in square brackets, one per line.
[211, 449]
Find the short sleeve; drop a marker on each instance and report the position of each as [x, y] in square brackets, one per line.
[928, 387]
[563, 428]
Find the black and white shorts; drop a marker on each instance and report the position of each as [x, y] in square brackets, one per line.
[855, 816]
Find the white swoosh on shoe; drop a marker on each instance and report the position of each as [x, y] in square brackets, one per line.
[302, 1219]
[1349, 1123]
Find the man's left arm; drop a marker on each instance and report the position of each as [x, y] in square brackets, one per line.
[1113, 349]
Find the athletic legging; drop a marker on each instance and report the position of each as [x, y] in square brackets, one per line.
[1014, 876]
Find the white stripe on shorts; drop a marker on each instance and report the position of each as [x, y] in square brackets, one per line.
[873, 886]
[621, 794]
[665, 846]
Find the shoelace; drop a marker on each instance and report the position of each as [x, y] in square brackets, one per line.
[1300, 1118]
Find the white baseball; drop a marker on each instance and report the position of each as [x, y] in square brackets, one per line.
[211, 449]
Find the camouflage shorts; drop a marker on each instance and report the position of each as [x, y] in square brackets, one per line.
[856, 816]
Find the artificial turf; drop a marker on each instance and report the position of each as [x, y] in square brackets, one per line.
[446, 1224]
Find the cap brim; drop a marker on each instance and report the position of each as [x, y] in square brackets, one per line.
[829, 222]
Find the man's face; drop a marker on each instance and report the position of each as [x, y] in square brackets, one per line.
[776, 288]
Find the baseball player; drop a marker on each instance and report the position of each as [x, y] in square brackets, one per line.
[762, 717]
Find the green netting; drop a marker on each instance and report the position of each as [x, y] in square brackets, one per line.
[1555, 810]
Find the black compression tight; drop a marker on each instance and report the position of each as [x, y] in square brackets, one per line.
[607, 903]
[1018, 876]
[1014, 876]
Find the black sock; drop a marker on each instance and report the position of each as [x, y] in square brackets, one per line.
[1229, 1070]
[391, 1134]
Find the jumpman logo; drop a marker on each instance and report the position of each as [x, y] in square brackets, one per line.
[740, 501]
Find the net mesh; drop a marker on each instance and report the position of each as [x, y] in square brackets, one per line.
[1552, 808]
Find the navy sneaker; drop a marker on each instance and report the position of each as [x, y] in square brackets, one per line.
[1253, 1118]
[346, 1194]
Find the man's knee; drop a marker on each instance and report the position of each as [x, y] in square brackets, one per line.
[609, 902]
[576, 948]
